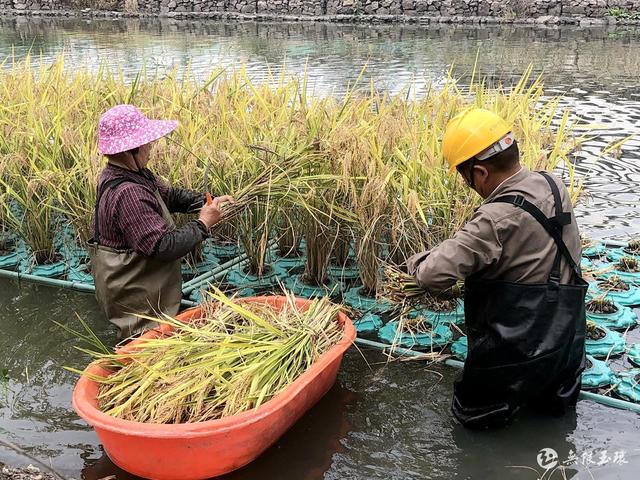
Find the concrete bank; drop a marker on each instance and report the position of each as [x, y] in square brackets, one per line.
[554, 12]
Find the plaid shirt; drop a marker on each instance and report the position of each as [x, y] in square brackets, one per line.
[129, 215]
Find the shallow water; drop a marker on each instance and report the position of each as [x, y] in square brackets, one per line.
[380, 421]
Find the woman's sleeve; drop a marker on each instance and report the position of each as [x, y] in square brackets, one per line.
[177, 243]
[181, 200]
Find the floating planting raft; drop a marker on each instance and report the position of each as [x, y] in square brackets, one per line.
[333, 194]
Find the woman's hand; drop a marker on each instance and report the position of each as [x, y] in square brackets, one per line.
[210, 213]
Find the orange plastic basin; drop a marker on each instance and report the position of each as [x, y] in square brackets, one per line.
[191, 451]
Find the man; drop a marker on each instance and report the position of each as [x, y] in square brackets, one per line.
[524, 297]
[136, 249]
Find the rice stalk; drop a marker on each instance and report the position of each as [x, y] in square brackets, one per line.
[233, 359]
[378, 157]
[402, 289]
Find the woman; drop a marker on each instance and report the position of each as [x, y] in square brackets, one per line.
[136, 249]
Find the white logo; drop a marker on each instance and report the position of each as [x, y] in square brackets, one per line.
[547, 458]
[550, 462]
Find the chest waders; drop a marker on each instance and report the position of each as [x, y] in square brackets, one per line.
[526, 341]
[128, 283]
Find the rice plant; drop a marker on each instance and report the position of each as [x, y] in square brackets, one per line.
[374, 160]
[28, 208]
[633, 247]
[289, 232]
[594, 331]
[613, 284]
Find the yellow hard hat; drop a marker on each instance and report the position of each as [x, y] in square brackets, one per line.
[470, 133]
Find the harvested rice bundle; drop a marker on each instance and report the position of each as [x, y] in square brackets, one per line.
[401, 288]
[233, 359]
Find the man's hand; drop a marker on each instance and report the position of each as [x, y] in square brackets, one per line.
[210, 213]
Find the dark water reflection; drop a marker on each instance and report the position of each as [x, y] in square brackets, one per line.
[595, 70]
[380, 421]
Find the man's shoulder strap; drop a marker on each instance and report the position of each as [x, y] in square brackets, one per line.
[561, 218]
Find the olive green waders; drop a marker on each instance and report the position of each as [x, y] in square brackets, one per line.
[129, 284]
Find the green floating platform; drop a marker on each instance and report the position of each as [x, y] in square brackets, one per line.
[228, 250]
[633, 354]
[611, 344]
[597, 374]
[9, 261]
[586, 264]
[285, 264]
[438, 338]
[628, 298]
[455, 317]
[296, 285]
[597, 251]
[622, 319]
[53, 270]
[369, 323]
[199, 268]
[459, 348]
[628, 385]
[74, 255]
[80, 275]
[237, 277]
[616, 254]
[353, 299]
[629, 277]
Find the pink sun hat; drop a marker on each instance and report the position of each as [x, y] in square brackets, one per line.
[124, 127]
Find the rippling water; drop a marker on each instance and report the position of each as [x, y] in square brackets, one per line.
[380, 421]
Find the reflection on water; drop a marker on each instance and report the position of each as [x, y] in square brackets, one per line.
[35, 404]
[595, 70]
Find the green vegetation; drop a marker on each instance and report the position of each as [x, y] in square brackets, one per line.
[623, 13]
[364, 169]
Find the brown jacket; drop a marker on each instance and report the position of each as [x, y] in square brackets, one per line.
[502, 240]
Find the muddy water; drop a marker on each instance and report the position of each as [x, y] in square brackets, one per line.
[380, 421]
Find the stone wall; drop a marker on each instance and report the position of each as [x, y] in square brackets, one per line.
[361, 8]
[52, 5]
